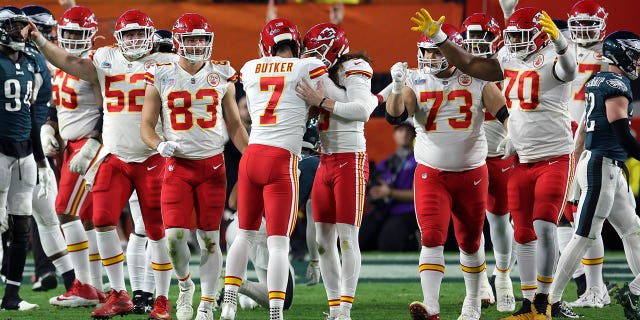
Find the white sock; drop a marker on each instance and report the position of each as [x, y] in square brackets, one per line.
[210, 264]
[592, 263]
[312, 245]
[565, 233]
[136, 260]
[149, 282]
[112, 258]
[431, 270]
[161, 265]
[327, 237]
[277, 273]
[95, 263]
[77, 246]
[236, 264]
[502, 238]
[566, 264]
[472, 265]
[527, 268]
[53, 243]
[548, 249]
[631, 243]
[351, 263]
[179, 251]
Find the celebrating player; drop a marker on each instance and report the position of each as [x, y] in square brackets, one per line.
[451, 180]
[196, 98]
[125, 162]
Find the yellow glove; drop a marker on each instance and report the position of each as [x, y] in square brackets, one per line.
[431, 28]
[549, 26]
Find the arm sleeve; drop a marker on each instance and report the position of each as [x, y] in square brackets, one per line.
[38, 154]
[332, 91]
[566, 68]
[361, 102]
[620, 128]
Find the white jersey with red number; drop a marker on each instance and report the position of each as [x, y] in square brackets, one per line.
[590, 62]
[337, 134]
[539, 119]
[122, 83]
[192, 106]
[448, 121]
[75, 104]
[278, 116]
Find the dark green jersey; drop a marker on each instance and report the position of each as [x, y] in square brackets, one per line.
[16, 87]
[43, 100]
[600, 139]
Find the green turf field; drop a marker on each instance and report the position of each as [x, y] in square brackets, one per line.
[383, 294]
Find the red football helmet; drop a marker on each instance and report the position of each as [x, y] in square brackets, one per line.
[134, 46]
[523, 33]
[327, 40]
[77, 29]
[587, 22]
[275, 31]
[482, 35]
[433, 66]
[193, 25]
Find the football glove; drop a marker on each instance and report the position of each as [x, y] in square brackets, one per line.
[508, 7]
[313, 273]
[46, 180]
[399, 75]
[81, 161]
[167, 148]
[506, 148]
[50, 144]
[550, 28]
[431, 28]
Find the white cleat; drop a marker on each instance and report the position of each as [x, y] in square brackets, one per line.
[184, 304]
[228, 311]
[486, 294]
[471, 310]
[505, 301]
[24, 306]
[594, 297]
[204, 314]
[247, 303]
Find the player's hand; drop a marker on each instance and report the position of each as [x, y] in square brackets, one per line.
[46, 180]
[574, 191]
[431, 28]
[81, 161]
[549, 27]
[398, 75]
[167, 148]
[508, 7]
[506, 148]
[306, 92]
[50, 144]
[31, 32]
[313, 273]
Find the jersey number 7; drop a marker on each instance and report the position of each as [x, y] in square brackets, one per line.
[268, 117]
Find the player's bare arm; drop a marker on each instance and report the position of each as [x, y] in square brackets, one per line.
[96, 133]
[494, 101]
[80, 67]
[231, 115]
[578, 146]
[478, 67]
[150, 113]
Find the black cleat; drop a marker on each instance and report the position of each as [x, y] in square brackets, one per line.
[138, 302]
[561, 310]
[46, 282]
[629, 302]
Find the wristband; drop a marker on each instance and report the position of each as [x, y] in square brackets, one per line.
[321, 102]
[40, 41]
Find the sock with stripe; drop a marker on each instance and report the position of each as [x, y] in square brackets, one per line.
[472, 265]
[501, 237]
[95, 263]
[136, 260]
[210, 265]
[236, 264]
[431, 270]
[592, 263]
[547, 246]
[565, 233]
[77, 246]
[161, 265]
[112, 257]
[527, 268]
[569, 258]
[351, 263]
[277, 273]
[178, 250]
[149, 282]
[53, 243]
[327, 237]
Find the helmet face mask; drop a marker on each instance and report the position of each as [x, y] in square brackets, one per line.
[12, 21]
[479, 43]
[427, 49]
[77, 30]
[587, 22]
[193, 37]
[622, 49]
[134, 33]
[520, 43]
[481, 35]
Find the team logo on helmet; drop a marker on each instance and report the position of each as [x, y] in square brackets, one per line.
[327, 34]
[149, 62]
[213, 79]
[464, 80]
[538, 60]
[630, 43]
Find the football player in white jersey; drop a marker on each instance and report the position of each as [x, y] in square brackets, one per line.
[269, 166]
[125, 162]
[587, 22]
[339, 186]
[538, 68]
[195, 98]
[451, 180]
[482, 36]
[75, 117]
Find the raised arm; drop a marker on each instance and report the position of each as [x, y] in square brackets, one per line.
[80, 67]
[478, 67]
[237, 132]
[402, 101]
[566, 67]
